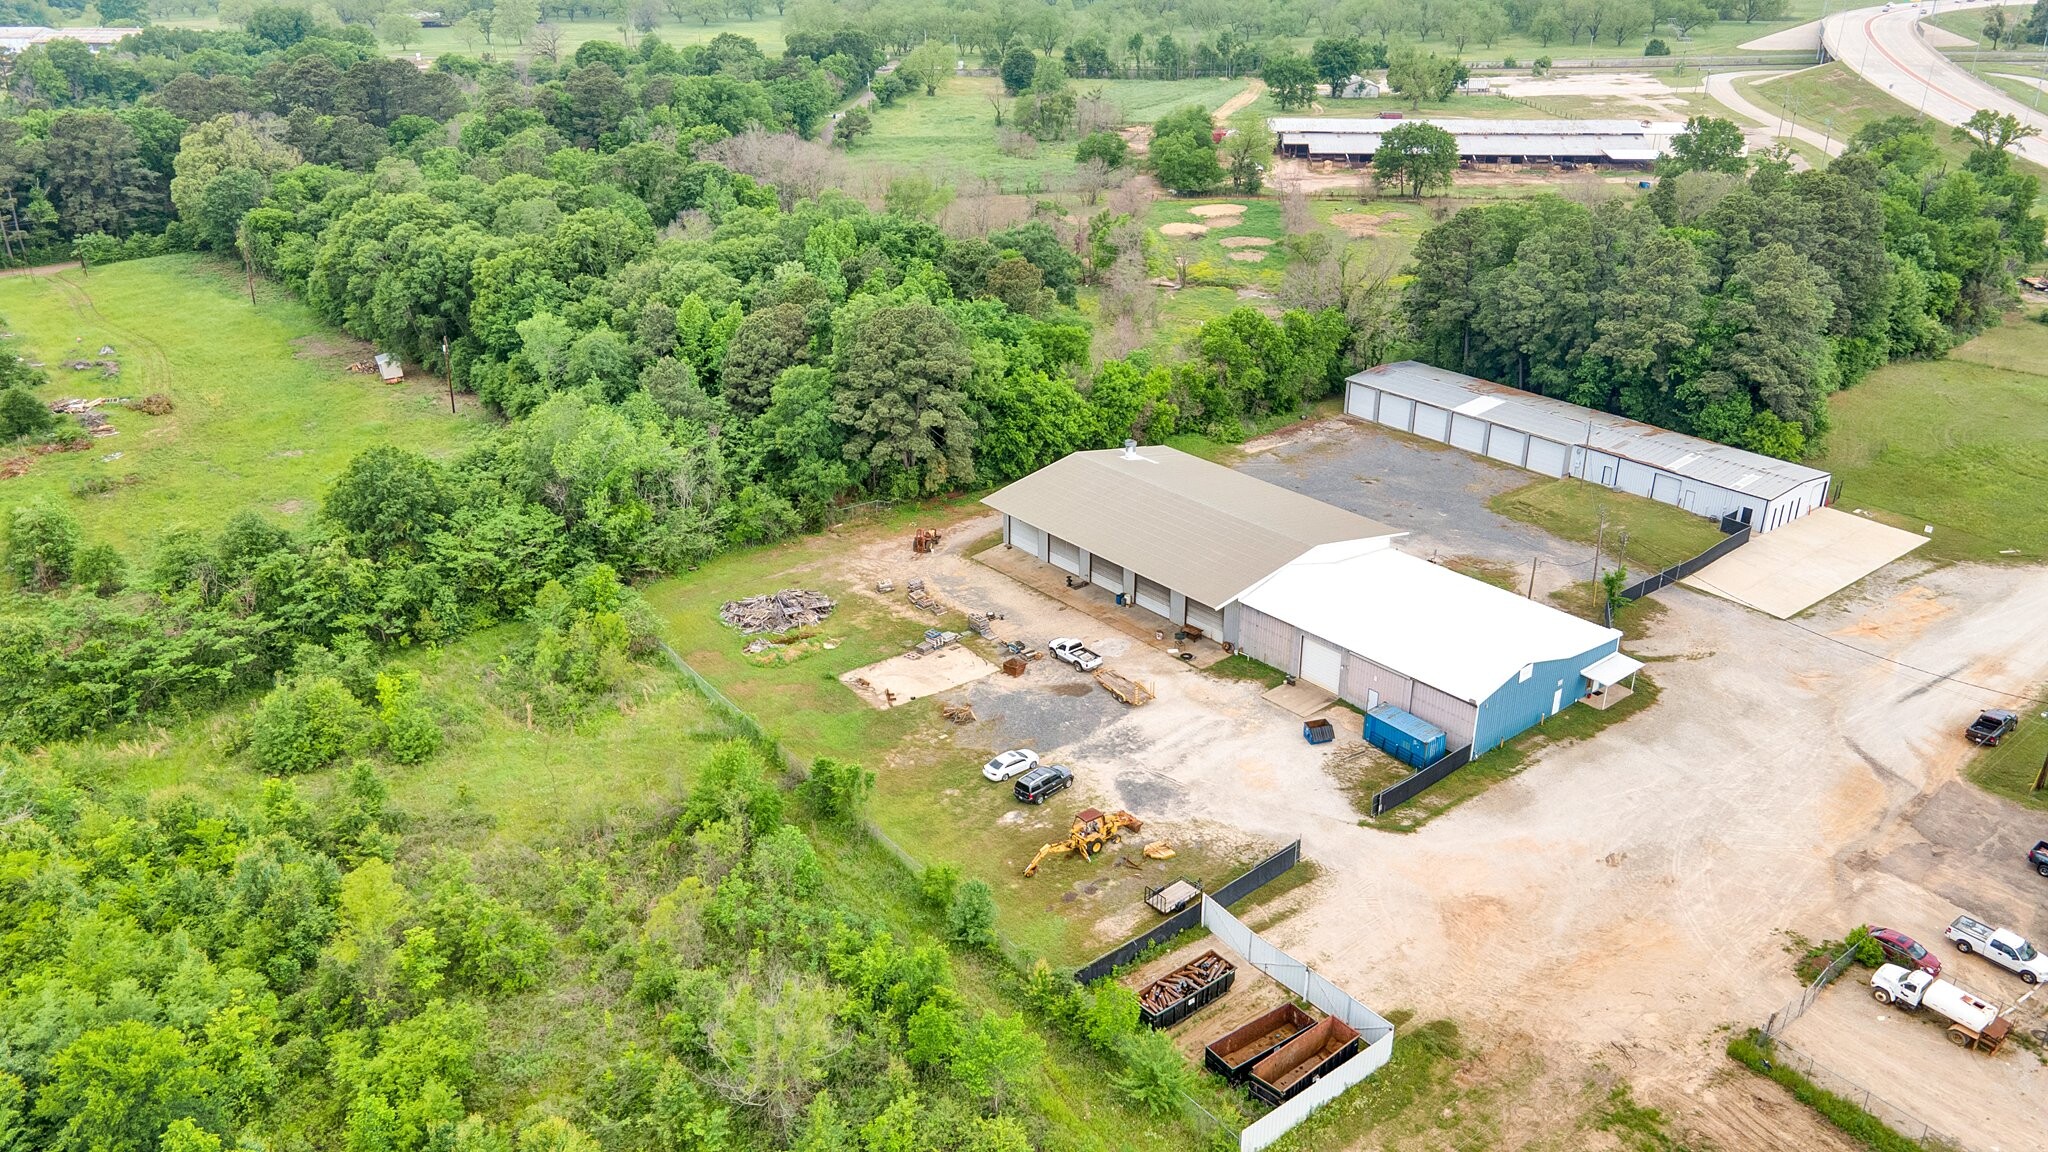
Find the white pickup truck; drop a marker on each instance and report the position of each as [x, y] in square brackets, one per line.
[1973, 1023]
[1072, 651]
[2008, 950]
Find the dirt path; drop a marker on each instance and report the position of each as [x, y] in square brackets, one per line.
[1253, 89]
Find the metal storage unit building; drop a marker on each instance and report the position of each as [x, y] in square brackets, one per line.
[1479, 662]
[1354, 140]
[1554, 438]
[1175, 535]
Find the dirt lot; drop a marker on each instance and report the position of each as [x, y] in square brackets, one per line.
[1623, 903]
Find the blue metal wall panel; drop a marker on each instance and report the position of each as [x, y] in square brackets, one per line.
[1518, 704]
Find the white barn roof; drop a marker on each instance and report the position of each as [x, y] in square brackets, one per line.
[1194, 526]
[1614, 139]
[1724, 466]
[1426, 622]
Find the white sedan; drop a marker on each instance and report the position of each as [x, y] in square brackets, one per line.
[1015, 762]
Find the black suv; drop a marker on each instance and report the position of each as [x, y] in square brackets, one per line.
[1034, 786]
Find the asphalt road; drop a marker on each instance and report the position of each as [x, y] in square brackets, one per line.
[1886, 47]
[1721, 86]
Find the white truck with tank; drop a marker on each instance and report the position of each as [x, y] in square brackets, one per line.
[1973, 1022]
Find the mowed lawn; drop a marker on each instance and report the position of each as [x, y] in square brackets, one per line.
[266, 413]
[1658, 535]
[1960, 443]
[951, 136]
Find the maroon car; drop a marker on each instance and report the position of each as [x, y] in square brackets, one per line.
[1905, 951]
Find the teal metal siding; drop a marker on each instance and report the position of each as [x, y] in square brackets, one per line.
[1519, 704]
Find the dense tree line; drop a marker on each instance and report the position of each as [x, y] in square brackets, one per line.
[1737, 297]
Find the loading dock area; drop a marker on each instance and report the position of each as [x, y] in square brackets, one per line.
[1805, 562]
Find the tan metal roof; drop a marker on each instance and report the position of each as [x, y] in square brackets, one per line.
[1193, 526]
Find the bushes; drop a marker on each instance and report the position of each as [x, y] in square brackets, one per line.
[42, 539]
[1155, 1076]
[971, 919]
[306, 725]
[837, 790]
[403, 720]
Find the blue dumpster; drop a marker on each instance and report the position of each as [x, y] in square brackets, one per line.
[1404, 736]
[1319, 731]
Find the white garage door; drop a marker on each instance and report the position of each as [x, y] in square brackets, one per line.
[1547, 456]
[1152, 597]
[1105, 574]
[1027, 537]
[1431, 422]
[1507, 444]
[1395, 410]
[1065, 555]
[1321, 664]
[1664, 487]
[1468, 432]
[1209, 620]
[1360, 402]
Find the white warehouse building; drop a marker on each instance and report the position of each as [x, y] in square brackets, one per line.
[1554, 438]
[1354, 140]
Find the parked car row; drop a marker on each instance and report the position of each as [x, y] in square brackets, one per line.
[1911, 978]
[1035, 782]
[2003, 947]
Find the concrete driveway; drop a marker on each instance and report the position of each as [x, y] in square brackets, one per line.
[1792, 568]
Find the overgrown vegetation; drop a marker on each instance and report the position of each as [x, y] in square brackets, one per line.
[1754, 1050]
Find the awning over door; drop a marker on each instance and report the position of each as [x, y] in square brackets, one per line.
[1612, 668]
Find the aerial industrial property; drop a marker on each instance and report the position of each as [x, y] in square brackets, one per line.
[1108, 577]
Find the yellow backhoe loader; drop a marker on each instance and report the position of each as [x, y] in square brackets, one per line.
[1092, 832]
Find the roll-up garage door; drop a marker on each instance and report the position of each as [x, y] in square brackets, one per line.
[1395, 410]
[1321, 664]
[1152, 597]
[1209, 620]
[1360, 402]
[1507, 444]
[1433, 423]
[1468, 432]
[1664, 487]
[1067, 556]
[1105, 574]
[1027, 537]
[1547, 456]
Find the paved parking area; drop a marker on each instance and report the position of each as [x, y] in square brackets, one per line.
[1788, 570]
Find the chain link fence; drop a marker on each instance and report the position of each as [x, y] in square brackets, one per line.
[1894, 1117]
[1783, 1017]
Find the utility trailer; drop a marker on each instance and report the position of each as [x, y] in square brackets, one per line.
[1233, 1054]
[1303, 1060]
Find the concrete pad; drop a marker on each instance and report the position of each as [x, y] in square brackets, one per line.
[911, 676]
[1301, 698]
[1795, 567]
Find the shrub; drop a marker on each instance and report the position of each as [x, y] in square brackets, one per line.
[1107, 147]
[42, 541]
[1155, 1075]
[971, 920]
[938, 883]
[1656, 47]
[21, 414]
[1509, 62]
[99, 569]
[306, 725]
[1109, 1012]
[409, 732]
[837, 790]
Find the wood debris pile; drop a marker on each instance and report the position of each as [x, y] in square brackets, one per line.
[779, 612]
[87, 413]
[108, 368]
[958, 713]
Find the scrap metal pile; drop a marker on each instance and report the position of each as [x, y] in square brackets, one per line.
[787, 609]
[1172, 997]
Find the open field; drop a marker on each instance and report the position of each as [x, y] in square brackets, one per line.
[2010, 769]
[1657, 535]
[766, 31]
[1919, 440]
[1835, 102]
[264, 409]
[952, 135]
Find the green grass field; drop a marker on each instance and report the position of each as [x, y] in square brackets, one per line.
[264, 408]
[1831, 100]
[1658, 534]
[952, 135]
[2010, 768]
[1960, 443]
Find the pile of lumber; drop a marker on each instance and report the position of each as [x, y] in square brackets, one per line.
[958, 713]
[1184, 981]
[780, 612]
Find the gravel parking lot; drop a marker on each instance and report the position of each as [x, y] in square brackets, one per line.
[1623, 902]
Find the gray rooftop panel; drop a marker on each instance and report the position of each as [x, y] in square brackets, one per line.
[1194, 526]
[1744, 471]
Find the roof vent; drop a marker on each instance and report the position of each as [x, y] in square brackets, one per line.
[1130, 449]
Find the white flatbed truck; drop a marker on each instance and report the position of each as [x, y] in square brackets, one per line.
[1973, 1022]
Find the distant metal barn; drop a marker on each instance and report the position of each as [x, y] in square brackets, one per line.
[1555, 438]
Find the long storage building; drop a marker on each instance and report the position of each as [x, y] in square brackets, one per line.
[1354, 140]
[1554, 438]
[1171, 533]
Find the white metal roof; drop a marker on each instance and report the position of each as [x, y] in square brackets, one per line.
[1426, 622]
[1612, 668]
[1614, 139]
[1721, 465]
[1199, 528]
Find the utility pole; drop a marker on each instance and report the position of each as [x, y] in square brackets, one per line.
[2041, 777]
[1598, 542]
[1532, 577]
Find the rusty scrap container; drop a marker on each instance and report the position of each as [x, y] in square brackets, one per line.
[1015, 666]
[1174, 997]
[1233, 1054]
[1303, 1060]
